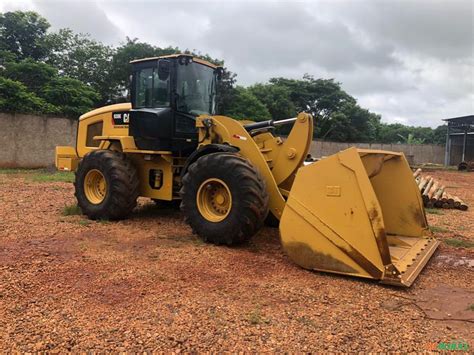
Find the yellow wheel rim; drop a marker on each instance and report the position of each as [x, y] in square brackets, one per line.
[95, 186]
[214, 200]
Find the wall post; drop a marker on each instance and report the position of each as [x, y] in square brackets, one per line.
[447, 149]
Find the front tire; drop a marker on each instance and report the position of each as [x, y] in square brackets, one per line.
[106, 185]
[224, 198]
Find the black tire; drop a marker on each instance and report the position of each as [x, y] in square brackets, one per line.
[249, 206]
[121, 190]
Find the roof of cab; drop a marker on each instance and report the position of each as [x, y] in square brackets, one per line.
[195, 59]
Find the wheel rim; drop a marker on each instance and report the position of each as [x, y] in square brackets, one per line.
[214, 200]
[95, 186]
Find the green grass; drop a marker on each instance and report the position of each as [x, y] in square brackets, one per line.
[470, 307]
[103, 221]
[433, 211]
[436, 229]
[458, 243]
[71, 210]
[41, 175]
[84, 222]
[255, 317]
[59, 176]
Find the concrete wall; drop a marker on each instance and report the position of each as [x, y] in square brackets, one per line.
[415, 153]
[28, 141]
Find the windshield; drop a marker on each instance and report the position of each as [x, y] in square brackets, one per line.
[196, 89]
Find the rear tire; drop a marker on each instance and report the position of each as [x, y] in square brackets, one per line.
[106, 185]
[224, 198]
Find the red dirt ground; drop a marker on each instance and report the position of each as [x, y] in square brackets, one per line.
[69, 284]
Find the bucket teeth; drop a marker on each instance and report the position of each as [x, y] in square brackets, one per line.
[410, 260]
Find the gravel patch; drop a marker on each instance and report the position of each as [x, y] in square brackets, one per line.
[147, 283]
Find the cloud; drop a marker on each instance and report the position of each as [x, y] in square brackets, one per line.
[81, 16]
[441, 29]
[411, 61]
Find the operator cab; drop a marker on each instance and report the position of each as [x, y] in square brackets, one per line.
[167, 95]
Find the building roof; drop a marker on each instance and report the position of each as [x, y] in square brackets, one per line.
[460, 119]
[465, 122]
[195, 59]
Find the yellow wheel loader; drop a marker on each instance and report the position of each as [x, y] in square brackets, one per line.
[358, 212]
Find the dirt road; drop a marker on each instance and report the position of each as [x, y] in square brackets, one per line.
[147, 283]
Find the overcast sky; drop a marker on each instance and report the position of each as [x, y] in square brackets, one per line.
[411, 61]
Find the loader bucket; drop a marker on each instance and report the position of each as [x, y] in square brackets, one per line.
[358, 212]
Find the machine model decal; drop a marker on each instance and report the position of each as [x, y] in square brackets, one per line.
[121, 118]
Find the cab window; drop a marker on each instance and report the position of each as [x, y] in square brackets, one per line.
[150, 91]
[196, 89]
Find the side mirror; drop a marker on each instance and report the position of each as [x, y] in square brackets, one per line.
[163, 69]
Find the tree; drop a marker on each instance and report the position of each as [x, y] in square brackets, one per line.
[23, 34]
[6, 57]
[245, 105]
[15, 97]
[390, 133]
[225, 91]
[361, 127]
[399, 133]
[320, 97]
[340, 128]
[34, 75]
[71, 96]
[79, 57]
[411, 139]
[336, 114]
[276, 98]
[439, 134]
[44, 91]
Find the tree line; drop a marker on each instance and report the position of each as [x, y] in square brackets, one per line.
[67, 73]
